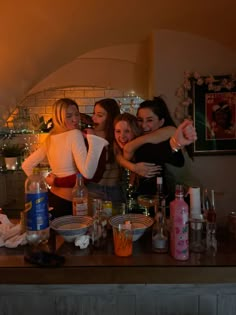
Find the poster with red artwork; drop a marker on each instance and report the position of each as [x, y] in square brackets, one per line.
[221, 116]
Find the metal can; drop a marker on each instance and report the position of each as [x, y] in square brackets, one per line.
[107, 208]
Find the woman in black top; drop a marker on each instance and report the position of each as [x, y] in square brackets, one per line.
[153, 115]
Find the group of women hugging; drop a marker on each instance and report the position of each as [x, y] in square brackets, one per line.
[141, 146]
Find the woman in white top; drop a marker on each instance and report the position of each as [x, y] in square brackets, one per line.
[66, 153]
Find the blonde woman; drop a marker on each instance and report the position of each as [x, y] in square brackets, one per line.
[66, 153]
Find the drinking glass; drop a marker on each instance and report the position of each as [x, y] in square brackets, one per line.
[147, 201]
[210, 215]
[123, 240]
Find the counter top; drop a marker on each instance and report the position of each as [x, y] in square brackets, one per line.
[95, 266]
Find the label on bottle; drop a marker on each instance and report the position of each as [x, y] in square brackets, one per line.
[36, 208]
[179, 241]
[179, 230]
[80, 206]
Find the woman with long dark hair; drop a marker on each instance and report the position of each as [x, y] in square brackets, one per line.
[152, 116]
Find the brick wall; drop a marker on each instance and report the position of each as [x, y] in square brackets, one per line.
[41, 102]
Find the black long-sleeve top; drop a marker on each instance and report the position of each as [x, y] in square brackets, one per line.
[158, 154]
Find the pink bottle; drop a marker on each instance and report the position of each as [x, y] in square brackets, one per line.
[179, 215]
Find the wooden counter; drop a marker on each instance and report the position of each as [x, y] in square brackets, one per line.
[102, 266]
[98, 282]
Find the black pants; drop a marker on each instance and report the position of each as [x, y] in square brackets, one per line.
[60, 206]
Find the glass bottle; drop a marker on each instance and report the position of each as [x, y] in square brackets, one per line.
[209, 206]
[160, 233]
[80, 197]
[160, 194]
[36, 209]
[179, 236]
[210, 215]
[99, 231]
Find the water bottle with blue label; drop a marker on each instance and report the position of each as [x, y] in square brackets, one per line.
[36, 209]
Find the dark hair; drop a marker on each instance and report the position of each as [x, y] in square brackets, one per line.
[160, 109]
[112, 108]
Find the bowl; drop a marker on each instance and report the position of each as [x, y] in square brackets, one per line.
[139, 223]
[70, 227]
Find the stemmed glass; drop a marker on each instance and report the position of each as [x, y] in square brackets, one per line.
[210, 215]
[147, 201]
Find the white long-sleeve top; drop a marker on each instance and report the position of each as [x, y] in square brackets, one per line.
[67, 154]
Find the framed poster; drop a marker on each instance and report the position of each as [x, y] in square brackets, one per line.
[214, 114]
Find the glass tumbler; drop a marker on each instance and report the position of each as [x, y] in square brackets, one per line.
[123, 240]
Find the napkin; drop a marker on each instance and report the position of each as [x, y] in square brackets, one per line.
[82, 241]
[10, 234]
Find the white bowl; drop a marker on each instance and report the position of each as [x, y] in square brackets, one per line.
[70, 227]
[139, 223]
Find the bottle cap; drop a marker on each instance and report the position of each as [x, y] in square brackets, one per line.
[179, 190]
[159, 180]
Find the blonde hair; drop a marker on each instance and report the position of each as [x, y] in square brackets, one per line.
[59, 113]
[59, 117]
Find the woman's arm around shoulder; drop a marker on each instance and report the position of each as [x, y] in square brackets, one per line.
[142, 168]
[155, 137]
[87, 161]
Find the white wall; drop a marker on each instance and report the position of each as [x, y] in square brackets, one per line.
[120, 67]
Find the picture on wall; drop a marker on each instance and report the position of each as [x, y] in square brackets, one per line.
[214, 114]
[220, 115]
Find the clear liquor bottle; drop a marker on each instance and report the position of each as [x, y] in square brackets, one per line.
[210, 215]
[99, 228]
[80, 197]
[160, 233]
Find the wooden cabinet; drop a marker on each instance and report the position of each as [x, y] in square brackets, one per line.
[139, 299]
[3, 190]
[12, 190]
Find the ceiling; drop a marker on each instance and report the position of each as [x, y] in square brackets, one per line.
[38, 37]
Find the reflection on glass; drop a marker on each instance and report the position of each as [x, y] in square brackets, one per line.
[147, 201]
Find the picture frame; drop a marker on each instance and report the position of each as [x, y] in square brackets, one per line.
[213, 111]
